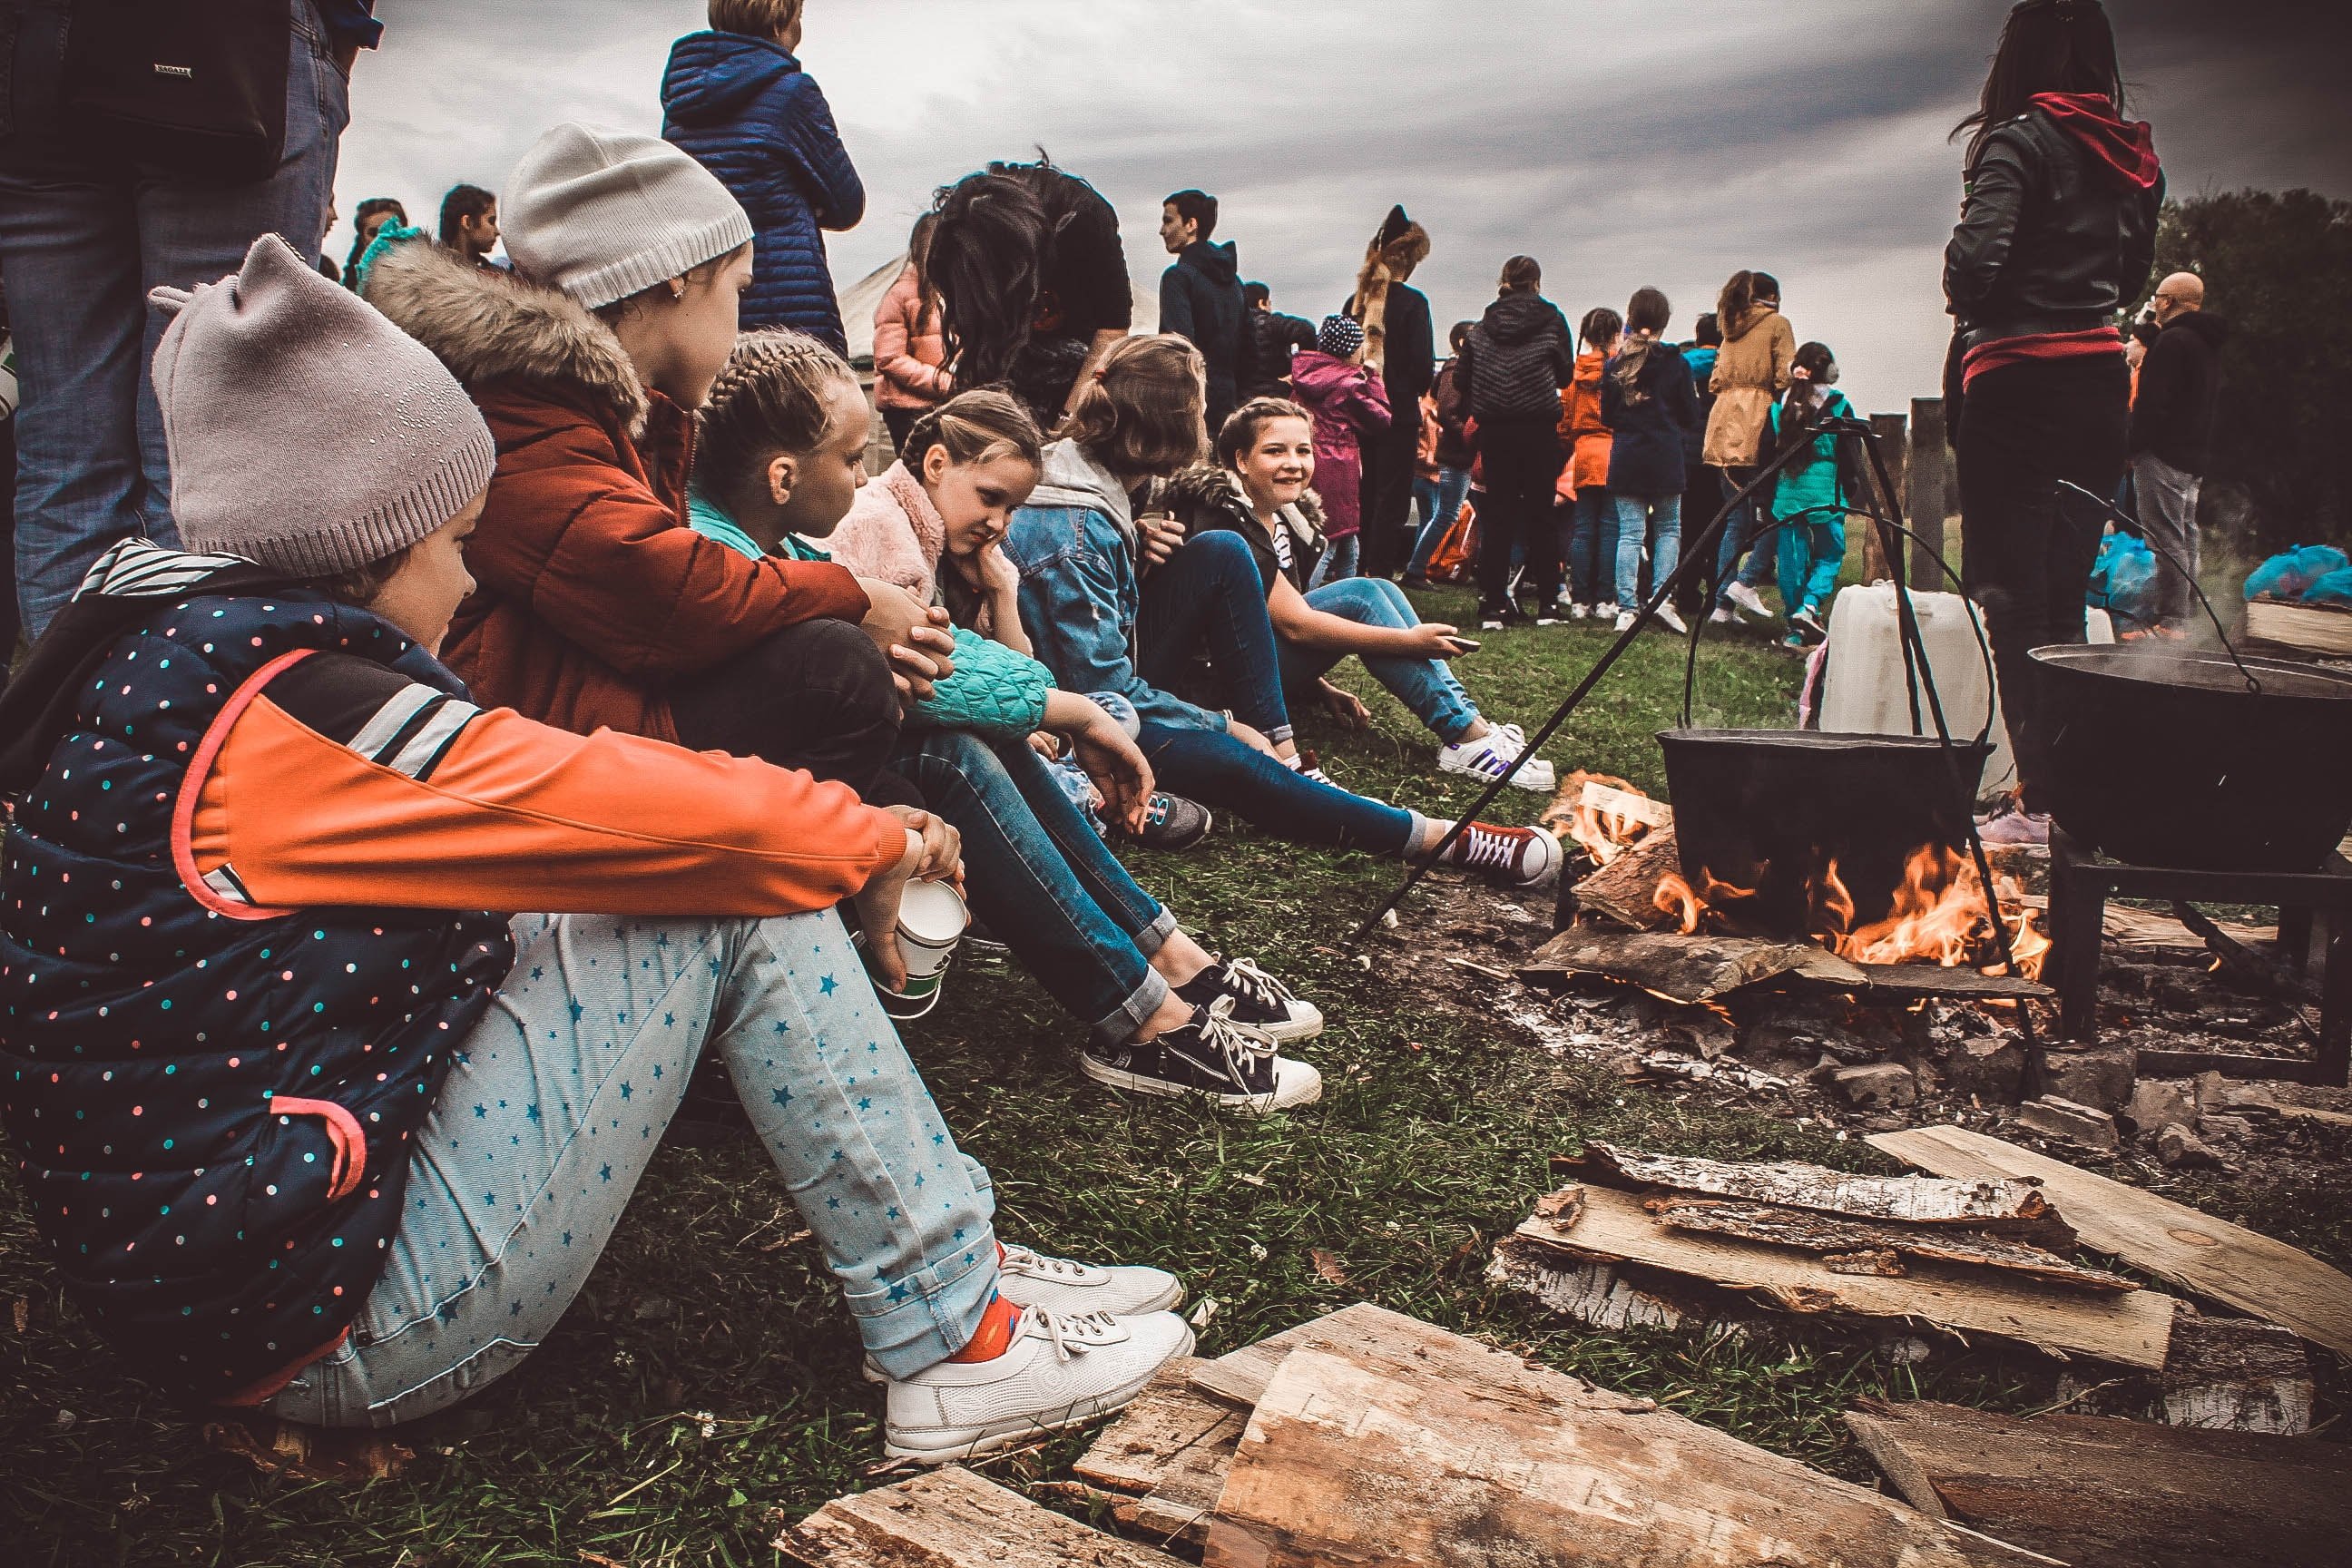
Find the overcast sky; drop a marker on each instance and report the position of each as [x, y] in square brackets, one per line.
[1619, 141]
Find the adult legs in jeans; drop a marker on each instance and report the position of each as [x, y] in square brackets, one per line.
[557, 1100]
[1216, 770]
[1044, 882]
[1208, 597]
[1658, 519]
[1425, 685]
[80, 251]
[1591, 542]
[2029, 545]
[2166, 498]
[1523, 461]
[816, 696]
[1446, 495]
[1338, 561]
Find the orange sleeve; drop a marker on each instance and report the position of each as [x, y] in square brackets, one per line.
[519, 816]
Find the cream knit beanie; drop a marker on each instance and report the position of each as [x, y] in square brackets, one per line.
[603, 214]
[305, 431]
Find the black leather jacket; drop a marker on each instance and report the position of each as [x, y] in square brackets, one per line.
[2050, 239]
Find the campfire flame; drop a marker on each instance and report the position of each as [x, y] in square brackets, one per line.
[1603, 822]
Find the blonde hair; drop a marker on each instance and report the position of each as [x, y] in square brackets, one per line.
[973, 427]
[1142, 413]
[769, 398]
[755, 18]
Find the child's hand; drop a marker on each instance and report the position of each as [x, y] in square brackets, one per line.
[1116, 765]
[1159, 536]
[1047, 744]
[1342, 705]
[992, 571]
[914, 638]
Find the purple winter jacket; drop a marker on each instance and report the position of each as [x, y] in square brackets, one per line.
[1348, 402]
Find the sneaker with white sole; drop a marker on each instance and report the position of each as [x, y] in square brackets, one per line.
[1607, 610]
[1058, 1372]
[1625, 619]
[1027, 1278]
[1171, 822]
[1671, 618]
[1210, 1057]
[1259, 1000]
[1580, 612]
[1807, 623]
[1486, 757]
[2011, 825]
[1740, 596]
[1517, 856]
[1721, 615]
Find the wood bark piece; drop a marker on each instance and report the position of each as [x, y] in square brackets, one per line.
[952, 1519]
[1166, 1456]
[1687, 969]
[1586, 1291]
[1832, 1234]
[2207, 1257]
[2011, 1209]
[1463, 1455]
[2144, 930]
[2229, 1375]
[2130, 1329]
[1892, 983]
[1240, 1378]
[2103, 1493]
[1626, 890]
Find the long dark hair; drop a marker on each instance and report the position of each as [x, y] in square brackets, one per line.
[987, 261]
[2046, 46]
[1801, 411]
[1741, 292]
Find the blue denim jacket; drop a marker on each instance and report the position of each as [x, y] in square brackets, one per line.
[1076, 554]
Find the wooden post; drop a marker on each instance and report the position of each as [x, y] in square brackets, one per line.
[1928, 491]
[1889, 429]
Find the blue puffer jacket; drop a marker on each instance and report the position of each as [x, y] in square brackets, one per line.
[746, 110]
[212, 1102]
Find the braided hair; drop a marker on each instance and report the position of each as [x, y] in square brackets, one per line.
[973, 427]
[769, 398]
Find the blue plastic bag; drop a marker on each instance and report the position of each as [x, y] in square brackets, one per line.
[2335, 588]
[2122, 581]
[2289, 574]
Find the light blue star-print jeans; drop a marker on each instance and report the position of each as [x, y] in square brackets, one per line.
[557, 1100]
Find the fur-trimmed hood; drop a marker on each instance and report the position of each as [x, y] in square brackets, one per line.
[493, 326]
[1400, 245]
[1212, 490]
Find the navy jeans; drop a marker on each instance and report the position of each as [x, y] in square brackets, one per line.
[1425, 685]
[1441, 501]
[1042, 878]
[1209, 598]
[1216, 770]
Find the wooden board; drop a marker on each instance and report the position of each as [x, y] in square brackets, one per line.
[2131, 1330]
[1240, 1378]
[952, 1519]
[2017, 1209]
[1586, 1291]
[1166, 1456]
[1822, 1232]
[2234, 1374]
[2145, 930]
[1687, 969]
[1463, 1455]
[2310, 628]
[2207, 1257]
[2103, 1493]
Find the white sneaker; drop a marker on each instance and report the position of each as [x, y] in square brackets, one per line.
[1720, 616]
[1059, 1372]
[1747, 599]
[1580, 612]
[1672, 620]
[1605, 611]
[1625, 619]
[1064, 1286]
[1489, 755]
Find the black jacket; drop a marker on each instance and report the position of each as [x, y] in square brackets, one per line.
[1652, 410]
[1200, 299]
[2180, 387]
[1408, 357]
[1518, 358]
[2053, 236]
[1205, 498]
[1273, 338]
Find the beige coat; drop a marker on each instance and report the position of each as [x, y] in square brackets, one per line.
[1751, 374]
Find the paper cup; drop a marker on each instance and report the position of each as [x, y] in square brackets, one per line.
[931, 922]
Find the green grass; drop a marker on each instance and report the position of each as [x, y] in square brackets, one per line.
[1431, 1141]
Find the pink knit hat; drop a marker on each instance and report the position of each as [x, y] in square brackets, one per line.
[305, 431]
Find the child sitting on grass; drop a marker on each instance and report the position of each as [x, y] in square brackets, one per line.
[784, 418]
[304, 1127]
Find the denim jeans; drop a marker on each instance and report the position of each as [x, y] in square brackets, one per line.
[1441, 501]
[1209, 597]
[1743, 534]
[1656, 520]
[1214, 769]
[1425, 685]
[1338, 563]
[520, 1172]
[1591, 540]
[1042, 878]
[79, 252]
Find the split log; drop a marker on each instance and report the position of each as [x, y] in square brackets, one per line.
[1626, 890]
[2154, 1062]
[1460, 1454]
[2130, 1329]
[2103, 1493]
[1597, 1295]
[1893, 982]
[1240, 1378]
[1166, 1456]
[952, 1519]
[1687, 969]
[2201, 1254]
[2227, 1374]
[2015, 1209]
[1820, 1233]
[2144, 930]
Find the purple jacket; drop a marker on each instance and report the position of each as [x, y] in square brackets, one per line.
[1347, 401]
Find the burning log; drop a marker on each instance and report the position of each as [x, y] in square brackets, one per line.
[1625, 890]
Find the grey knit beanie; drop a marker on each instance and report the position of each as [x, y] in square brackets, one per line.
[305, 431]
[603, 214]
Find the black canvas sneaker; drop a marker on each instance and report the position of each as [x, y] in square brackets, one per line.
[1212, 1056]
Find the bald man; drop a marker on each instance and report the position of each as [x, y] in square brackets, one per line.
[2172, 437]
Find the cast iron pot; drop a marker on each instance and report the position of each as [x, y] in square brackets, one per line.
[1769, 809]
[2164, 757]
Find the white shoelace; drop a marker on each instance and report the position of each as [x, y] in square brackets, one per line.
[1028, 1260]
[1236, 1043]
[1074, 1331]
[1480, 847]
[1255, 984]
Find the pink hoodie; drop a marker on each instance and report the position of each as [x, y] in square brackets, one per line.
[1345, 400]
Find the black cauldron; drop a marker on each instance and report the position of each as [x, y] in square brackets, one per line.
[2164, 756]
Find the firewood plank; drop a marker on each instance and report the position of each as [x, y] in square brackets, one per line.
[2202, 1255]
[1626, 890]
[1460, 1453]
[2132, 1329]
[1688, 969]
[2105, 1493]
[1820, 1233]
[1167, 1456]
[1240, 1378]
[953, 1519]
